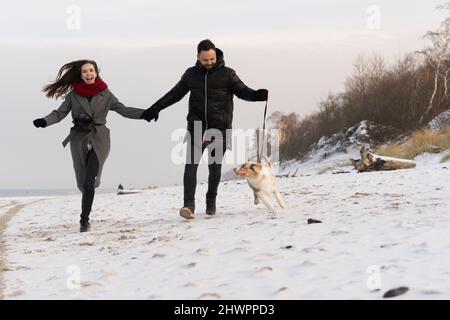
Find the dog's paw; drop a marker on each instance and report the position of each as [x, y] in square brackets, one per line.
[256, 201]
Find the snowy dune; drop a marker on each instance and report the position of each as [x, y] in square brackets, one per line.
[396, 222]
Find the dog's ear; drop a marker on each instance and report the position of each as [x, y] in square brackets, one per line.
[253, 166]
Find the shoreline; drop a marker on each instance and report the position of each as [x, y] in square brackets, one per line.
[27, 193]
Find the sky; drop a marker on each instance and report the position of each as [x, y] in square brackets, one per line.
[299, 50]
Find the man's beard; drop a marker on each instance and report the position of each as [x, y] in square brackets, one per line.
[209, 66]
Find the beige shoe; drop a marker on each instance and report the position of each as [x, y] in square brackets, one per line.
[187, 213]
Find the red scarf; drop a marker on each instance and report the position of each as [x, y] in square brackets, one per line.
[89, 89]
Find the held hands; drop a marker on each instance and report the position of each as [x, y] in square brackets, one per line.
[261, 95]
[40, 123]
[150, 114]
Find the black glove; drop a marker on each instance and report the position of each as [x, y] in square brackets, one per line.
[40, 123]
[150, 114]
[261, 95]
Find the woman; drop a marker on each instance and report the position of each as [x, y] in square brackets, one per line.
[88, 99]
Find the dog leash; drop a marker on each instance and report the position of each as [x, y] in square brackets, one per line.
[259, 149]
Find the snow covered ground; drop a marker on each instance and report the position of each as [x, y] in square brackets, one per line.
[379, 230]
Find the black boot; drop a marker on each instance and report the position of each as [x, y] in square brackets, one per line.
[86, 206]
[188, 209]
[210, 206]
[85, 225]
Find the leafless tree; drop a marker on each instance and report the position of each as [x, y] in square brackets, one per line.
[438, 56]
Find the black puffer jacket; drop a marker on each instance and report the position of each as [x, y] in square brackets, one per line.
[211, 99]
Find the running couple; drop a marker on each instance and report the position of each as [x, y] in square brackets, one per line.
[212, 86]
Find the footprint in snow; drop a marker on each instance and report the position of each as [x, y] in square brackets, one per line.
[265, 269]
[208, 296]
[337, 232]
[237, 249]
[282, 289]
[90, 285]
[203, 252]
[191, 265]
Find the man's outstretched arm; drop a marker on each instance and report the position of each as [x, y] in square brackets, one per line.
[243, 92]
[173, 96]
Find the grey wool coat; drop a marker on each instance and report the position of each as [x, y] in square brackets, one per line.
[97, 134]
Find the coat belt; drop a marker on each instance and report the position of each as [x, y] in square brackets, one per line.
[89, 127]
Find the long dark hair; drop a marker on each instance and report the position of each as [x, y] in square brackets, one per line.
[69, 74]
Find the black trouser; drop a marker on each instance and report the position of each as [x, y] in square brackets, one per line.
[92, 167]
[194, 153]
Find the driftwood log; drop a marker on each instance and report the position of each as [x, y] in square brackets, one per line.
[373, 162]
[122, 192]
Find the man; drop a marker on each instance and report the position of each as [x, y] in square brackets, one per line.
[212, 86]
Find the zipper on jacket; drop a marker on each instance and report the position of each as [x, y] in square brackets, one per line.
[206, 100]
